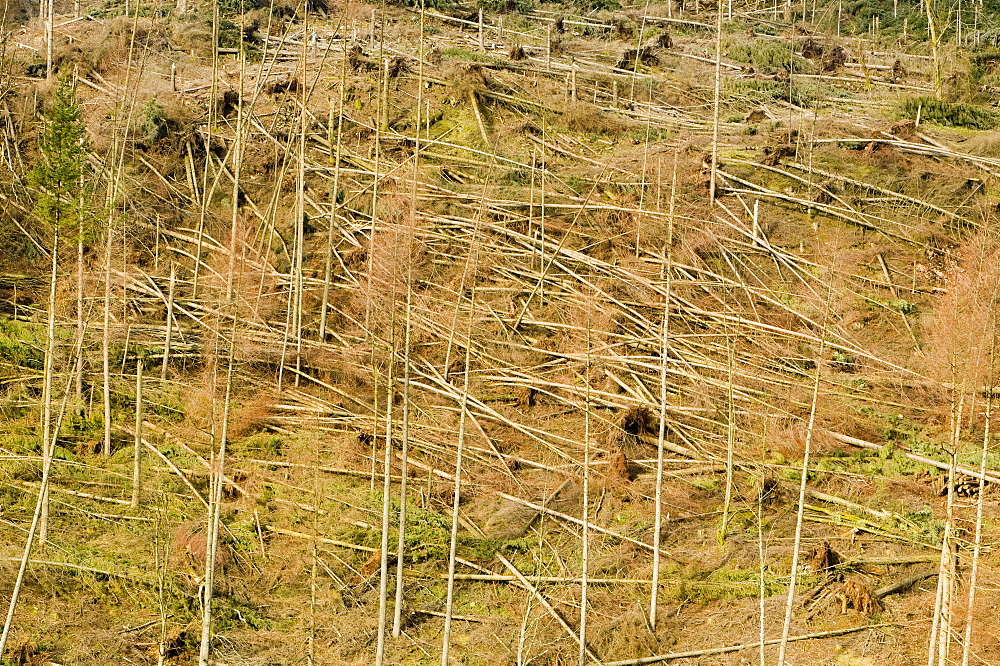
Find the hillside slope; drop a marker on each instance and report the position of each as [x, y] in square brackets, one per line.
[299, 259]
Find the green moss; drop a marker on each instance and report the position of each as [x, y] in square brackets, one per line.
[259, 444]
[428, 538]
[723, 584]
[465, 55]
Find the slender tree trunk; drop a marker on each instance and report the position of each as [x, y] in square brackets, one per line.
[940, 642]
[50, 350]
[978, 537]
[137, 462]
[79, 313]
[730, 438]
[713, 182]
[106, 340]
[383, 586]
[49, 27]
[582, 656]
[335, 202]
[662, 434]
[797, 543]
[457, 489]
[935, 44]
[170, 321]
[231, 308]
[397, 618]
[300, 206]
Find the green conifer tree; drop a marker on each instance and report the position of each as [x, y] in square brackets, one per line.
[58, 175]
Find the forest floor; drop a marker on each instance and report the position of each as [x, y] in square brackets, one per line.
[360, 241]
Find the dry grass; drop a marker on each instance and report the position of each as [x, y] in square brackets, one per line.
[807, 277]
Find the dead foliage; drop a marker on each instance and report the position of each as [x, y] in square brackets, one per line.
[833, 59]
[904, 129]
[176, 642]
[627, 635]
[511, 521]
[850, 593]
[856, 595]
[398, 66]
[632, 58]
[190, 547]
[624, 27]
[822, 557]
[898, 71]
[768, 491]
[283, 85]
[811, 49]
[371, 566]
[782, 145]
[618, 468]
[589, 119]
[467, 79]
[827, 189]
[525, 396]
[226, 103]
[638, 421]
[359, 61]
[28, 653]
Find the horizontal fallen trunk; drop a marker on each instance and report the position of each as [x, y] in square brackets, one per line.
[656, 659]
[991, 476]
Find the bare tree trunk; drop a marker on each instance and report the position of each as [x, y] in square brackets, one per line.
[713, 182]
[335, 202]
[137, 462]
[219, 457]
[170, 321]
[300, 206]
[457, 489]
[79, 313]
[106, 341]
[383, 586]
[49, 18]
[662, 435]
[978, 537]
[797, 544]
[730, 438]
[50, 350]
[940, 642]
[934, 39]
[582, 656]
[397, 618]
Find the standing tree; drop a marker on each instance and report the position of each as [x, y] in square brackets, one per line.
[58, 175]
[58, 178]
